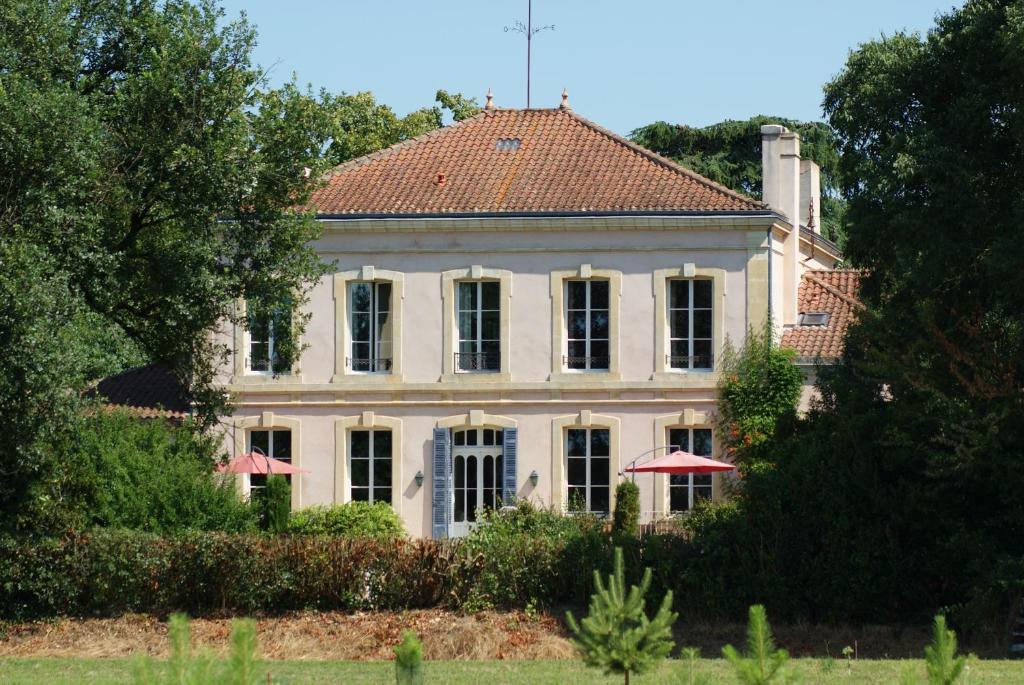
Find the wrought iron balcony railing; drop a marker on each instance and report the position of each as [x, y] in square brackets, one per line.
[704, 362]
[369, 365]
[586, 363]
[477, 361]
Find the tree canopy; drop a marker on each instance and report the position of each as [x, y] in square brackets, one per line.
[729, 153]
[151, 180]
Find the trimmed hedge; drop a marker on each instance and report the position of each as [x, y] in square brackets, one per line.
[113, 572]
[519, 558]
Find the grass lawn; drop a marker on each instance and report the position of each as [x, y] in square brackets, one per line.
[864, 672]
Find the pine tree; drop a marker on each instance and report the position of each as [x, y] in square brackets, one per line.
[409, 660]
[616, 635]
[944, 666]
[763, 663]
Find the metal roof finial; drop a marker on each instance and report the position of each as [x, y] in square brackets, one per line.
[565, 99]
[490, 100]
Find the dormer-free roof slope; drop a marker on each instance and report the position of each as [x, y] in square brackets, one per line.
[533, 161]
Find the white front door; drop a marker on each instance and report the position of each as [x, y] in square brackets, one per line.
[476, 475]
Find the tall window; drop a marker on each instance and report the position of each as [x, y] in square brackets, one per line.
[477, 468]
[371, 324]
[268, 328]
[689, 324]
[479, 321]
[686, 489]
[272, 443]
[587, 325]
[588, 469]
[370, 452]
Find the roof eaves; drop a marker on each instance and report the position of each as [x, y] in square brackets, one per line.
[552, 214]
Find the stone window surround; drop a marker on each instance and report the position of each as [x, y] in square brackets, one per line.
[688, 418]
[242, 375]
[559, 339]
[269, 421]
[584, 419]
[367, 420]
[450, 326]
[662, 371]
[342, 332]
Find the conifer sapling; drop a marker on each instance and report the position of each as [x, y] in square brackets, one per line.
[616, 635]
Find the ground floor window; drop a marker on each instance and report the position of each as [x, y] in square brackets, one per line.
[477, 467]
[272, 443]
[370, 454]
[685, 490]
[589, 469]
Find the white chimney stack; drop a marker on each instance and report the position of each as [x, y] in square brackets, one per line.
[780, 159]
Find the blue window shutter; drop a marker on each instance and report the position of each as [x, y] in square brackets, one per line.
[510, 450]
[441, 471]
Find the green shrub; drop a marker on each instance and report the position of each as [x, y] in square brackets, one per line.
[275, 504]
[530, 553]
[626, 520]
[616, 636]
[409, 660]
[354, 519]
[146, 475]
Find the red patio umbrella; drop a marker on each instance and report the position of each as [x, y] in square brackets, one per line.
[254, 462]
[681, 462]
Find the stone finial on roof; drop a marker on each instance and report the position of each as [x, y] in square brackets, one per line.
[490, 100]
[565, 99]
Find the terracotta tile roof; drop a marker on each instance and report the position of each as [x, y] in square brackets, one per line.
[830, 292]
[562, 163]
[149, 392]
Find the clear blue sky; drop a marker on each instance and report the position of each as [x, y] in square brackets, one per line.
[625, 63]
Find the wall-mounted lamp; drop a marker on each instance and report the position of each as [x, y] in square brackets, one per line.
[534, 477]
[419, 479]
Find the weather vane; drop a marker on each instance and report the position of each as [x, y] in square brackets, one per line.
[528, 31]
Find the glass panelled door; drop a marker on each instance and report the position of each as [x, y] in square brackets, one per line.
[477, 467]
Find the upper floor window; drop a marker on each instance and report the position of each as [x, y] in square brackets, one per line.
[370, 454]
[269, 349]
[587, 325]
[372, 326]
[272, 443]
[479, 326]
[588, 469]
[689, 324]
[686, 489]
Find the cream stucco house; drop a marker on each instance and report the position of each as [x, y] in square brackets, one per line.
[521, 304]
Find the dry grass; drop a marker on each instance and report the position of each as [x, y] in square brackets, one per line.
[446, 635]
[306, 636]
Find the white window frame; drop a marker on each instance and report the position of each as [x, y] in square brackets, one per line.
[662, 349]
[249, 487]
[478, 314]
[449, 307]
[374, 342]
[691, 339]
[559, 337]
[372, 458]
[690, 485]
[271, 344]
[588, 339]
[588, 458]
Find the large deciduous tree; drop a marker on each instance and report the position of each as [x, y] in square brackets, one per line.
[729, 153]
[149, 180]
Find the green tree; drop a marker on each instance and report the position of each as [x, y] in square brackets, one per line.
[932, 159]
[729, 153]
[762, 664]
[409, 660]
[616, 635]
